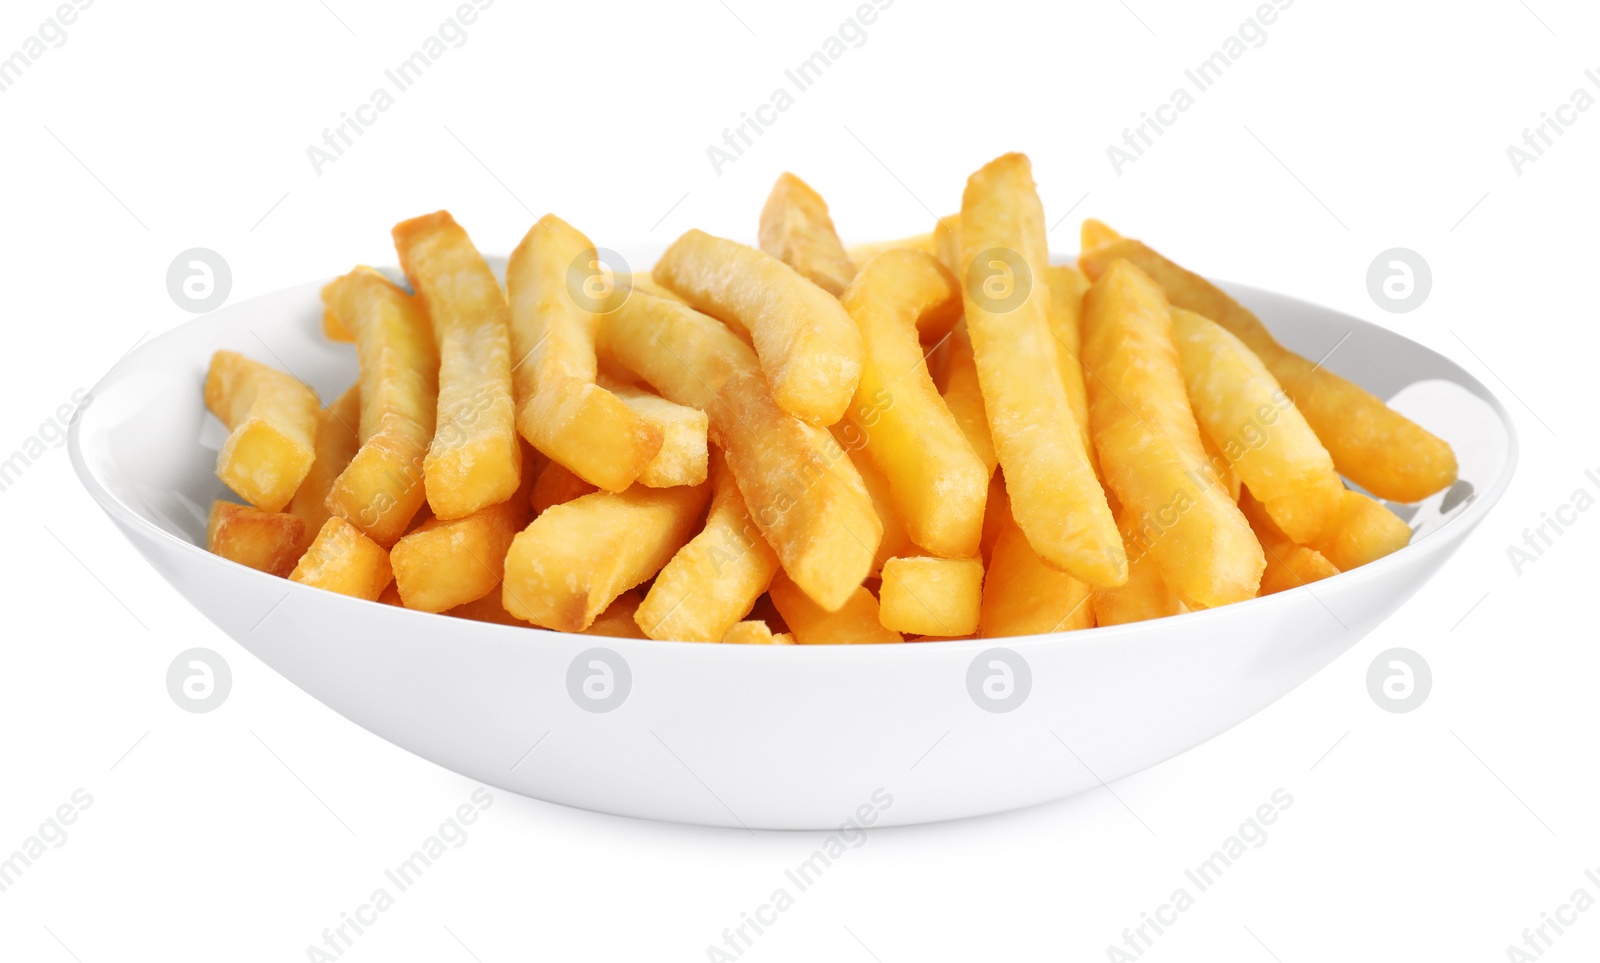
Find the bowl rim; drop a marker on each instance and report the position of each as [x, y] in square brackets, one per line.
[1457, 527]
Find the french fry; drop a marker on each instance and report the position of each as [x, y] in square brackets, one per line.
[1096, 234]
[937, 482]
[391, 596]
[796, 229]
[560, 409]
[810, 508]
[894, 541]
[931, 596]
[567, 567]
[1362, 530]
[449, 562]
[808, 346]
[856, 621]
[1150, 448]
[1022, 595]
[617, 621]
[862, 253]
[714, 580]
[1067, 288]
[487, 609]
[272, 426]
[684, 456]
[1054, 494]
[1145, 595]
[336, 443]
[1218, 463]
[1376, 447]
[756, 632]
[265, 541]
[642, 282]
[964, 398]
[996, 515]
[556, 484]
[947, 242]
[382, 487]
[334, 329]
[342, 559]
[1259, 430]
[1288, 565]
[474, 459]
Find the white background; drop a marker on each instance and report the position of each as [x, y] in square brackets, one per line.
[1356, 127]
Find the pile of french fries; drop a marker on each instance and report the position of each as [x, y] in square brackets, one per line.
[942, 437]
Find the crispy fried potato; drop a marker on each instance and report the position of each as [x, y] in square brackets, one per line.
[856, 621]
[756, 632]
[1376, 447]
[1288, 565]
[335, 445]
[1145, 595]
[1217, 462]
[808, 346]
[1150, 448]
[931, 596]
[474, 460]
[381, 489]
[342, 559]
[684, 456]
[937, 482]
[334, 328]
[1022, 595]
[1096, 234]
[1362, 530]
[617, 621]
[796, 229]
[487, 609]
[806, 503]
[964, 398]
[1259, 430]
[268, 542]
[1067, 288]
[1054, 494]
[642, 282]
[449, 562]
[556, 484]
[563, 570]
[560, 409]
[272, 425]
[714, 580]
[862, 253]
[947, 242]
[894, 541]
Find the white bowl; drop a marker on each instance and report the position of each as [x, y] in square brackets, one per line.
[790, 737]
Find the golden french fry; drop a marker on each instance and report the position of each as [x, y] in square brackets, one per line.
[382, 488]
[1022, 595]
[555, 485]
[342, 559]
[1376, 447]
[449, 562]
[937, 482]
[642, 282]
[487, 609]
[856, 621]
[1150, 448]
[268, 542]
[964, 398]
[1217, 462]
[272, 427]
[684, 456]
[756, 632]
[334, 329]
[806, 497]
[336, 443]
[931, 596]
[1067, 288]
[391, 596]
[808, 346]
[563, 570]
[560, 409]
[714, 580]
[1054, 494]
[1096, 234]
[947, 242]
[617, 621]
[862, 253]
[1259, 430]
[796, 229]
[1145, 595]
[1288, 565]
[894, 541]
[1362, 530]
[474, 460]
